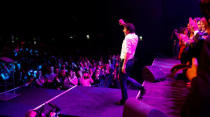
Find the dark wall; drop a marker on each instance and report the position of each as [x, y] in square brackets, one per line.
[154, 20]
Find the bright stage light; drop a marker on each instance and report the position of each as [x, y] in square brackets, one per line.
[88, 36]
[140, 38]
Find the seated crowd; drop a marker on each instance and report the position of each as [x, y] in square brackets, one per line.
[65, 72]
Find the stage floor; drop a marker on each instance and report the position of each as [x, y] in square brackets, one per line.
[80, 101]
[167, 96]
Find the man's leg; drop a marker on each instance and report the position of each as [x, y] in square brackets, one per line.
[134, 83]
[129, 70]
[137, 85]
[123, 84]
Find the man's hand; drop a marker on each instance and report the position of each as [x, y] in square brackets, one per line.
[121, 22]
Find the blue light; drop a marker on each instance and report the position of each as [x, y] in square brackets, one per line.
[19, 66]
[39, 67]
[35, 73]
[4, 76]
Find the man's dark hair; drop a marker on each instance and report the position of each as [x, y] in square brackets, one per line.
[130, 27]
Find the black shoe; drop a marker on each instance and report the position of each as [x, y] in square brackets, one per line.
[121, 102]
[143, 91]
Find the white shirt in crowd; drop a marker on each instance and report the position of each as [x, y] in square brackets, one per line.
[129, 46]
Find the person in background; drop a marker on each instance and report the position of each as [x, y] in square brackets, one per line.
[86, 80]
[96, 78]
[71, 79]
[50, 77]
[108, 76]
[183, 38]
[197, 103]
[204, 24]
[60, 79]
[40, 81]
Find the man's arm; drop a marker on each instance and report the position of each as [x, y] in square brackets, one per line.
[125, 62]
[128, 53]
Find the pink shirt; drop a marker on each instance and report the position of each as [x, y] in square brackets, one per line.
[86, 82]
[129, 46]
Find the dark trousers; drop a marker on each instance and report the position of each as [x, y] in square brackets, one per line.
[124, 78]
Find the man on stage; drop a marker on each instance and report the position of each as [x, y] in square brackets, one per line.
[127, 60]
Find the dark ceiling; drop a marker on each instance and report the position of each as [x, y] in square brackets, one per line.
[54, 16]
[154, 20]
